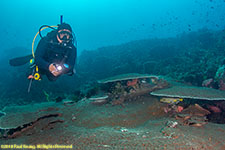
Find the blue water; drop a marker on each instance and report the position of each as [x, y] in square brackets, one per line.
[107, 22]
[97, 24]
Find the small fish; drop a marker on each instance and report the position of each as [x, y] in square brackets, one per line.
[171, 100]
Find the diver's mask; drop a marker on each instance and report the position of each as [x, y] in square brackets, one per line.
[64, 36]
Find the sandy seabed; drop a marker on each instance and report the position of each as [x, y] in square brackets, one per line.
[137, 124]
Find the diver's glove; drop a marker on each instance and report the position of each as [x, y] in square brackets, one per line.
[55, 69]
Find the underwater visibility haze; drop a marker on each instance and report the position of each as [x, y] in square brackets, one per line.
[149, 74]
[105, 22]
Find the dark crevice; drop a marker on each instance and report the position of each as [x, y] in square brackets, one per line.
[9, 132]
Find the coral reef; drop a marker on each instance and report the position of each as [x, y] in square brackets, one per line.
[191, 92]
[201, 53]
[220, 77]
[140, 124]
[129, 86]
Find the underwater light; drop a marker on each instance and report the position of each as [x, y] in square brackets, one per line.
[61, 67]
[58, 67]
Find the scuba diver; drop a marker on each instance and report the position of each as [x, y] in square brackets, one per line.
[56, 54]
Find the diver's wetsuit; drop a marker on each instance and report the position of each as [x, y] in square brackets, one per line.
[49, 51]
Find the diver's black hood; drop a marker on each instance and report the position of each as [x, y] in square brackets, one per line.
[64, 26]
